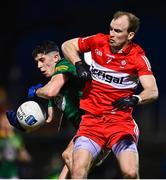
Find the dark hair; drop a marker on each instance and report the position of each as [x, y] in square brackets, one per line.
[134, 21]
[45, 47]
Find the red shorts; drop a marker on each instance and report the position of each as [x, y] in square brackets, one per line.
[107, 130]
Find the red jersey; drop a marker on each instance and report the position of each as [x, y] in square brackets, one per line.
[114, 75]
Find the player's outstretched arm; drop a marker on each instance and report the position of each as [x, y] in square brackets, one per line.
[49, 90]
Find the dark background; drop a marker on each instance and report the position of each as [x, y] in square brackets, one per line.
[24, 23]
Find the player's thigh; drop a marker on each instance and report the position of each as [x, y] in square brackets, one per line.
[85, 151]
[127, 155]
[128, 161]
[82, 158]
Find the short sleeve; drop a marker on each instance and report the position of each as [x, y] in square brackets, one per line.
[143, 65]
[63, 67]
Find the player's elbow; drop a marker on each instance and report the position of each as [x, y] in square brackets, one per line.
[70, 46]
[65, 46]
[155, 94]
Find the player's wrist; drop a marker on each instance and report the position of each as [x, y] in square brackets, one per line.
[36, 92]
[37, 87]
[32, 92]
[78, 63]
[137, 99]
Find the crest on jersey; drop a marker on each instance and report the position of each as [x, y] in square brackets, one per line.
[61, 68]
[123, 63]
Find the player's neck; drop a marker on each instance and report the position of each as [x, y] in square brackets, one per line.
[119, 49]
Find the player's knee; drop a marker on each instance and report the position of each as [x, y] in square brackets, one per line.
[131, 173]
[66, 156]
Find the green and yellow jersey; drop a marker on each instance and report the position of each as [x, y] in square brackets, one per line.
[68, 98]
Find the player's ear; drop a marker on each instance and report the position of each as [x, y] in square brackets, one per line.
[131, 35]
[56, 57]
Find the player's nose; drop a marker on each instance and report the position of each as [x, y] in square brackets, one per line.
[39, 64]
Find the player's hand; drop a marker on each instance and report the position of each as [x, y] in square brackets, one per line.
[125, 103]
[12, 118]
[32, 90]
[82, 71]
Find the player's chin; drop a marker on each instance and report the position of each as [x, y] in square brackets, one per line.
[46, 75]
[112, 43]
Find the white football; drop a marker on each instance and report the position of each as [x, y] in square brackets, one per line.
[31, 115]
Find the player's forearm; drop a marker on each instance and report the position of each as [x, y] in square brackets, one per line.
[148, 95]
[46, 92]
[150, 89]
[71, 51]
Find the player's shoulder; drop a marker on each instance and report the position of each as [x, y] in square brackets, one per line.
[137, 49]
[102, 37]
[64, 62]
[64, 66]
[138, 54]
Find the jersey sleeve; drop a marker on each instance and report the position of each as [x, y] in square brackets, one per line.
[51, 103]
[86, 44]
[64, 67]
[143, 65]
